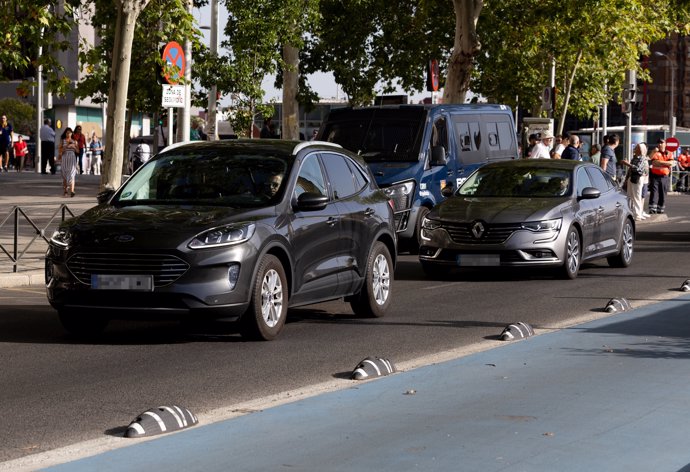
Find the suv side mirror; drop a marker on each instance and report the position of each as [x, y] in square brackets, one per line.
[310, 201]
[438, 156]
[447, 191]
[104, 196]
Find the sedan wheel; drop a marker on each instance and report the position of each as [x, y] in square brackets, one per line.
[375, 296]
[624, 257]
[573, 254]
[267, 311]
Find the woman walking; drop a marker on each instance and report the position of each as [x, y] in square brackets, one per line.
[69, 150]
[637, 168]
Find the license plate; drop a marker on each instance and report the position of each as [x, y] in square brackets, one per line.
[479, 260]
[122, 282]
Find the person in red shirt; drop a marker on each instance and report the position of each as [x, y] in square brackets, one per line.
[659, 177]
[79, 137]
[684, 168]
[20, 152]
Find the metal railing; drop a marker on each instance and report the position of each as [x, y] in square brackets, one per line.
[13, 216]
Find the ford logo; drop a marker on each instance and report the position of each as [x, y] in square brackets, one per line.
[124, 238]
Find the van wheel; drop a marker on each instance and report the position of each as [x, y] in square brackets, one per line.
[375, 296]
[265, 317]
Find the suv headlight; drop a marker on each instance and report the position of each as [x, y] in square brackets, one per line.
[542, 226]
[223, 236]
[401, 194]
[61, 238]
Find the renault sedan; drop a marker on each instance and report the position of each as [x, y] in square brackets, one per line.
[236, 230]
[528, 213]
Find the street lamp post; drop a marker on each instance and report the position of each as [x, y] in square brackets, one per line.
[213, 90]
[672, 118]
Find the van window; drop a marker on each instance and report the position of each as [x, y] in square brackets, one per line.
[499, 135]
[439, 134]
[469, 139]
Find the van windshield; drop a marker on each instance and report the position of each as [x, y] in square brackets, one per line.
[379, 139]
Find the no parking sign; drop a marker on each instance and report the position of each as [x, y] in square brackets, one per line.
[176, 63]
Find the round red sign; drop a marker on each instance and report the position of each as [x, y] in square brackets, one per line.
[173, 56]
[672, 144]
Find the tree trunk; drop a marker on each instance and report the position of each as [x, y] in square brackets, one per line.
[127, 13]
[465, 47]
[568, 88]
[290, 116]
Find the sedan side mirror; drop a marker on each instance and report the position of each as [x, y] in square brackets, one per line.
[589, 193]
[310, 201]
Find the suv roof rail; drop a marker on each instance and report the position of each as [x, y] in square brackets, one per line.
[304, 144]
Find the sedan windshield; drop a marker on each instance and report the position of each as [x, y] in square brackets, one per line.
[517, 182]
[208, 177]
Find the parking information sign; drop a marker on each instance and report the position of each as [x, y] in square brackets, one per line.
[173, 96]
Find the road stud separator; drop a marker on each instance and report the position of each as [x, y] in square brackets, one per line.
[164, 419]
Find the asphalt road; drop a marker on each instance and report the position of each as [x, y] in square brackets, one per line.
[56, 391]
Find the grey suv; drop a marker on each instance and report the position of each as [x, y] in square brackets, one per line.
[239, 230]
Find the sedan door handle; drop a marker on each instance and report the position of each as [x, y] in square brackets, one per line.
[331, 221]
[369, 212]
[600, 210]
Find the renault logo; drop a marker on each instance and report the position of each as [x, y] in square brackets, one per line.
[124, 238]
[478, 229]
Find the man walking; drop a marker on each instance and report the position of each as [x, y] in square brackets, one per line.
[6, 139]
[47, 135]
[659, 171]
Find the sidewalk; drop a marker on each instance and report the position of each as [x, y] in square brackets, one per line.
[40, 197]
[609, 395]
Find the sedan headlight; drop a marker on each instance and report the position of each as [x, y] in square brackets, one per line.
[401, 194]
[223, 236]
[542, 226]
[430, 224]
[61, 238]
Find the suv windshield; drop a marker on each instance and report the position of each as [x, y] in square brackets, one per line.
[208, 177]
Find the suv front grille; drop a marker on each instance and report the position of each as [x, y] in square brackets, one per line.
[461, 233]
[165, 268]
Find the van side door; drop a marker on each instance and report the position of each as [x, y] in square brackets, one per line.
[442, 159]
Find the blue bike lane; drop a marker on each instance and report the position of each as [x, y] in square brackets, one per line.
[610, 394]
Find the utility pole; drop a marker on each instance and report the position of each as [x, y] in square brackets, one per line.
[212, 130]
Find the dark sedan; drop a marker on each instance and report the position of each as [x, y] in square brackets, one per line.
[554, 213]
[237, 230]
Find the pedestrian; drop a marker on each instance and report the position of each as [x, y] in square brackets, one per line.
[6, 139]
[20, 152]
[69, 150]
[659, 177]
[684, 170]
[531, 143]
[266, 130]
[194, 134]
[607, 161]
[96, 147]
[634, 180]
[314, 134]
[595, 153]
[47, 135]
[543, 148]
[561, 141]
[572, 151]
[79, 137]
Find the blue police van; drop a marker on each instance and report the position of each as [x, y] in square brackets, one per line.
[415, 151]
